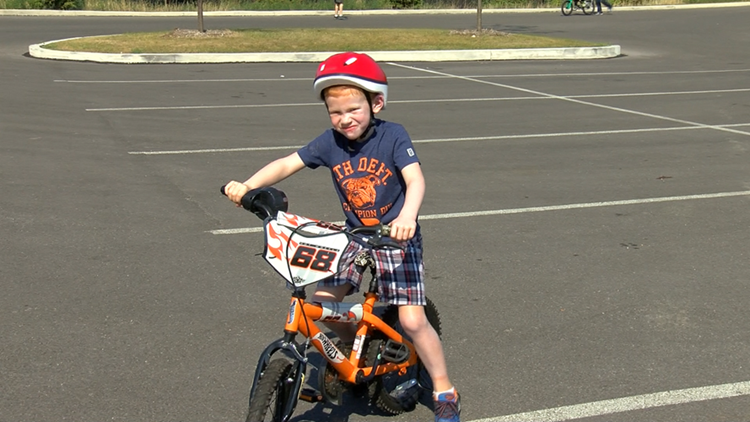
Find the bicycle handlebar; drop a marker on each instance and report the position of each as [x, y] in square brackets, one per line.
[249, 203]
[376, 233]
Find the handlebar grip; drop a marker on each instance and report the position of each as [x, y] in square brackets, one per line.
[251, 201]
[247, 199]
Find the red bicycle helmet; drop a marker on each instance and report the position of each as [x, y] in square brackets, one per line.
[351, 69]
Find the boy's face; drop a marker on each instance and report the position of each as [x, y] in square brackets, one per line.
[349, 110]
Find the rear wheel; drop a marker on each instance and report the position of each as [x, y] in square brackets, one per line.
[383, 390]
[567, 7]
[273, 391]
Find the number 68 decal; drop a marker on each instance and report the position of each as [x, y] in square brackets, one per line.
[314, 259]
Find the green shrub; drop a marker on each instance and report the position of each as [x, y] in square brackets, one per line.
[57, 4]
[406, 4]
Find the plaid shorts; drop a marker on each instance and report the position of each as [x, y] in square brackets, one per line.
[400, 273]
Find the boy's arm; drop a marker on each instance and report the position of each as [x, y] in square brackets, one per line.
[272, 173]
[405, 225]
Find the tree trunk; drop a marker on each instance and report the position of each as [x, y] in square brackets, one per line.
[200, 16]
[479, 16]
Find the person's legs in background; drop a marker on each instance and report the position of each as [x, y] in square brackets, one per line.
[338, 9]
[599, 6]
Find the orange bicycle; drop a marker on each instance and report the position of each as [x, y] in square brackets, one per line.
[381, 363]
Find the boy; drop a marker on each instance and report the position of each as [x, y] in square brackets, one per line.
[378, 178]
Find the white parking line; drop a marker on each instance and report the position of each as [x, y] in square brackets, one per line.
[573, 100]
[284, 79]
[438, 140]
[626, 404]
[214, 150]
[427, 101]
[535, 209]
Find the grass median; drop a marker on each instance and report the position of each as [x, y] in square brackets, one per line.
[309, 40]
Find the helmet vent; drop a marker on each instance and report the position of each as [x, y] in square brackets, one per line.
[350, 61]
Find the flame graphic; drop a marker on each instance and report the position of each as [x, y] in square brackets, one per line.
[277, 240]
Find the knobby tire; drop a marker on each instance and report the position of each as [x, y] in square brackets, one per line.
[381, 387]
[272, 393]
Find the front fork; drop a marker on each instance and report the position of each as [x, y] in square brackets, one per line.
[285, 344]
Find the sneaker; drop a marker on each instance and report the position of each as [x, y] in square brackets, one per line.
[609, 9]
[598, 13]
[447, 408]
[335, 16]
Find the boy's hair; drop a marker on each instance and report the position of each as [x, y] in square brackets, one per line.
[343, 90]
[351, 90]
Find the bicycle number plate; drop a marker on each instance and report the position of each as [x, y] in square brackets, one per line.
[302, 250]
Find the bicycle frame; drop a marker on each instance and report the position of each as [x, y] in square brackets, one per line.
[348, 369]
[301, 319]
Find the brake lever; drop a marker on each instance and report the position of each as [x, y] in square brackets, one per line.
[383, 245]
[376, 240]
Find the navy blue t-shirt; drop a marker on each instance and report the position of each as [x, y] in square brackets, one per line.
[367, 175]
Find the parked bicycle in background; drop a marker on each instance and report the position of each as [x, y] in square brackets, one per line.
[569, 6]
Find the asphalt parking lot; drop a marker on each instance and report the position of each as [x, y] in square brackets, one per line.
[585, 224]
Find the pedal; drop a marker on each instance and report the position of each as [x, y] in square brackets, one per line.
[311, 396]
[395, 352]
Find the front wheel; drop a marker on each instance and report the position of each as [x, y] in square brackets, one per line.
[567, 7]
[384, 390]
[272, 393]
[588, 7]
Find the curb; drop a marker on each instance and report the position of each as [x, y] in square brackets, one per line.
[568, 53]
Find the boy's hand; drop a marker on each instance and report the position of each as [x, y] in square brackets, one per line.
[235, 191]
[403, 229]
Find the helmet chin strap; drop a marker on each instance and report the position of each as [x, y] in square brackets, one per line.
[368, 132]
[363, 137]
[370, 128]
